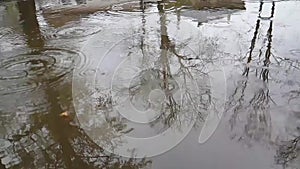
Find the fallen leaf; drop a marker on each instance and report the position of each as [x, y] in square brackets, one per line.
[64, 114]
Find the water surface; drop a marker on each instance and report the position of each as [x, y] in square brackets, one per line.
[49, 48]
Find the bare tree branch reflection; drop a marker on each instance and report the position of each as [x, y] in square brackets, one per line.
[251, 101]
[288, 152]
[253, 41]
[187, 69]
[54, 141]
[46, 139]
[257, 125]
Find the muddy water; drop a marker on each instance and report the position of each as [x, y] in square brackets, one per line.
[63, 62]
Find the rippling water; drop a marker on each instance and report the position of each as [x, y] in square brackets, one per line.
[65, 63]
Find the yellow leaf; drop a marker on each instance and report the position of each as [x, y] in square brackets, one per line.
[64, 114]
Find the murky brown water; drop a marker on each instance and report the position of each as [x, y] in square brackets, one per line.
[51, 77]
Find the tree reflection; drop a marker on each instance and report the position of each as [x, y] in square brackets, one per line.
[30, 24]
[161, 66]
[251, 101]
[55, 141]
[257, 126]
[265, 71]
[186, 69]
[169, 55]
[50, 140]
[78, 150]
[253, 41]
[288, 153]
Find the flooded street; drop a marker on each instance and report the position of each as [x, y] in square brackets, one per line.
[82, 82]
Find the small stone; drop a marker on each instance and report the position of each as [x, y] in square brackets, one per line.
[34, 137]
[6, 160]
[4, 143]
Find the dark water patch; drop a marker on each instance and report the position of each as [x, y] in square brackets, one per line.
[27, 71]
[26, 65]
